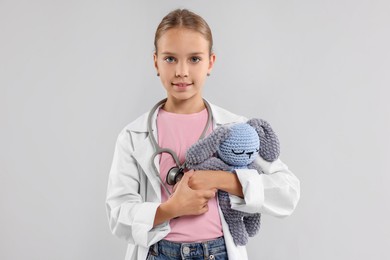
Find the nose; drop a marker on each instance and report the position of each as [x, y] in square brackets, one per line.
[250, 154]
[181, 70]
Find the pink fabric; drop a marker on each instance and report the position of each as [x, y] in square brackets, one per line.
[178, 132]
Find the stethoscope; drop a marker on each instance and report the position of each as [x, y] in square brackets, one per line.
[175, 173]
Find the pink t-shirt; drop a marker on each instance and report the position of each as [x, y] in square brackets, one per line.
[178, 132]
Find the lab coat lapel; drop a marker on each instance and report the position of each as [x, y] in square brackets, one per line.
[222, 116]
[143, 155]
[143, 150]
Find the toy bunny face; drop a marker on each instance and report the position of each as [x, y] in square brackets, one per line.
[234, 144]
[241, 147]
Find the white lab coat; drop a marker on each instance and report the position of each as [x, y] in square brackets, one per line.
[134, 191]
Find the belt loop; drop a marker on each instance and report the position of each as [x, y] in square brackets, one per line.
[156, 246]
[154, 249]
[205, 250]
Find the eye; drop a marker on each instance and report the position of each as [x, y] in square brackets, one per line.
[194, 59]
[257, 150]
[238, 151]
[170, 59]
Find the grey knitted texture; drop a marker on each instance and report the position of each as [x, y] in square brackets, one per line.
[269, 142]
[233, 147]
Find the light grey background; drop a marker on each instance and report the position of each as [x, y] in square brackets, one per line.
[74, 73]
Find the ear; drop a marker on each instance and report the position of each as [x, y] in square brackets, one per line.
[211, 62]
[206, 147]
[269, 142]
[155, 61]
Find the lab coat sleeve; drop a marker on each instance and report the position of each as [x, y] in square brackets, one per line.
[130, 217]
[276, 192]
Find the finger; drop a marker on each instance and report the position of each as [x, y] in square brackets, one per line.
[187, 176]
[190, 173]
[204, 209]
[185, 179]
[175, 187]
[208, 194]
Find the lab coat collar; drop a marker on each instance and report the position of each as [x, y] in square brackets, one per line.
[220, 117]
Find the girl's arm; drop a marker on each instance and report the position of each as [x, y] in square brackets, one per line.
[220, 180]
[276, 192]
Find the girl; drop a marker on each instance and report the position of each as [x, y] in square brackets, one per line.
[156, 222]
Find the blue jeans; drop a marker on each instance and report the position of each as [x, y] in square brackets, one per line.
[213, 249]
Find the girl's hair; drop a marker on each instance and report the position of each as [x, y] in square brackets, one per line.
[183, 18]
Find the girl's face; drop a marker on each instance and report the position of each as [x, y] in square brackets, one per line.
[183, 61]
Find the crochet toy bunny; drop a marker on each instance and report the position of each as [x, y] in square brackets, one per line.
[233, 147]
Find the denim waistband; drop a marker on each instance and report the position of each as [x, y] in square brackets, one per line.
[206, 249]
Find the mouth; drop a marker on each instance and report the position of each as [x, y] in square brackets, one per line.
[182, 84]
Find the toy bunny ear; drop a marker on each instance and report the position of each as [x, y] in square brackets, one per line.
[206, 147]
[269, 142]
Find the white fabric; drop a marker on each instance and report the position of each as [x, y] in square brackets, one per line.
[133, 193]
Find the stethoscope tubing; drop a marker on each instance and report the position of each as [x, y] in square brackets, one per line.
[159, 150]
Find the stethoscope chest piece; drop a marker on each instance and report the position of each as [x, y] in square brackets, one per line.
[174, 175]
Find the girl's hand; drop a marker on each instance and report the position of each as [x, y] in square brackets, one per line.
[193, 192]
[219, 180]
[204, 180]
[187, 201]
